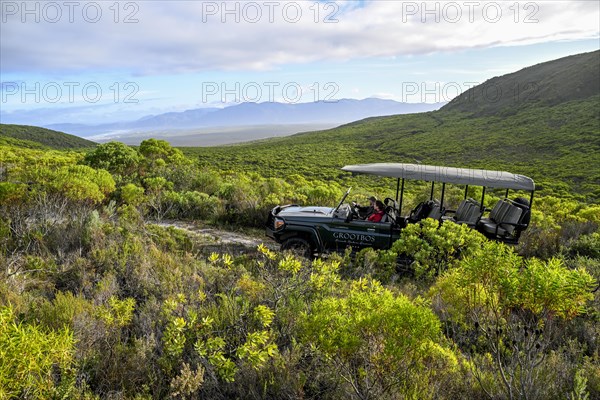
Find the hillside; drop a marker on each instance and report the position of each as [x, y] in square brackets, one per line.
[555, 139]
[547, 84]
[36, 137]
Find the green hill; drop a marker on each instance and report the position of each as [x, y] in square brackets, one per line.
[36, 137]
[555, 138]
[566, 79]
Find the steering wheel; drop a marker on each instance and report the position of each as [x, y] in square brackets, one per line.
[354, 210]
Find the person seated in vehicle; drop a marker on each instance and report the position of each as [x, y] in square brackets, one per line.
[365, 211]
[379, 212]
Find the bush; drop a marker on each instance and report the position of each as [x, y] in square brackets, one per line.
[434, 247]
[585, 246]
[34, 363]
[381, 344]
[379, 264]
[132, 194]
[115, 157]
[509, 313]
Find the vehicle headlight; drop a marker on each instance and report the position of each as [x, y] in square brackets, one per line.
[278, 224]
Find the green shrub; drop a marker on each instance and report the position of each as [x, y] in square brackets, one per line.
[381, 344]
[34, 363]
[381, 265]
[434, 247]
[115, 157]
[132, 194]
[585, 246]
[508, 312]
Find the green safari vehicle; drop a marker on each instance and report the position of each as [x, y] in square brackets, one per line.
[317, 229]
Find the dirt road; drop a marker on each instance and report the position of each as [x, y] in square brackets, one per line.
[221, 239]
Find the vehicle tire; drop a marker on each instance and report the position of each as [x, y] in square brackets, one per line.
[298, 246]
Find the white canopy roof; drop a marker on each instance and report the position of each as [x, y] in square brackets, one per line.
[432, 173]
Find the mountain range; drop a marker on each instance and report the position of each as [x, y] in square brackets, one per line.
[256, 120]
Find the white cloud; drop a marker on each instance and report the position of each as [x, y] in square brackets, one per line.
[185, 36]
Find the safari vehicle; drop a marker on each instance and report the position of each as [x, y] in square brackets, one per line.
[313, 229]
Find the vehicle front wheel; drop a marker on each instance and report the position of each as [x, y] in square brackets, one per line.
[298, 246]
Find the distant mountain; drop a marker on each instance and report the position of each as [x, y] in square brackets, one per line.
[547, 84]
[33, 136]
[256, 114]
[341, 111]
[185, 119]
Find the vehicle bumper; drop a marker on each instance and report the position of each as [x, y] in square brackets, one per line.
[270, 233]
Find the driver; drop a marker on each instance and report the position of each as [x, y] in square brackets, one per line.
[365, 211]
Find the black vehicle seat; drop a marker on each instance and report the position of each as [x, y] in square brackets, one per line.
[385, 218]
[475, 212]
[502, 221]
[474, 215]
[468, 212]
[496, 213]
[421, 211]
[390, 215]
[460, 212]
[525, 218]
[524, 205]
[464, 211]
[436, 210]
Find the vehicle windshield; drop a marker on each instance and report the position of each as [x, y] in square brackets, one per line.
[342, 200]
[342, 212]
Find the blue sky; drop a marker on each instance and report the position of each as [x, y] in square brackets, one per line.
[100, 61]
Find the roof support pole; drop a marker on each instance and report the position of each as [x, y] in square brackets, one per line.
[531, 200]
[432, 186]
[443, 191]
[482, 198]
[401, 197]
[466, 191]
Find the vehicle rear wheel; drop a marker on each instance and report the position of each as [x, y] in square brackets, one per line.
[298, 246]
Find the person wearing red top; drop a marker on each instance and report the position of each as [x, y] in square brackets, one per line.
[378, 214]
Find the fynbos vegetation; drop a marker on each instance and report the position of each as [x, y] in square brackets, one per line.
[96, 301]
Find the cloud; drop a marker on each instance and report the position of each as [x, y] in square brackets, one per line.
[151, 37]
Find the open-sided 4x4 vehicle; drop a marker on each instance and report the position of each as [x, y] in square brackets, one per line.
[321, 229]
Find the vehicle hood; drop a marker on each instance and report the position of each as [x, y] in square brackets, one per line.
[297, 211]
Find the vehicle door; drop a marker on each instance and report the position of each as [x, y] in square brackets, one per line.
[340, 233]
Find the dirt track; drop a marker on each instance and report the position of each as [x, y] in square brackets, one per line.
[221, 239]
